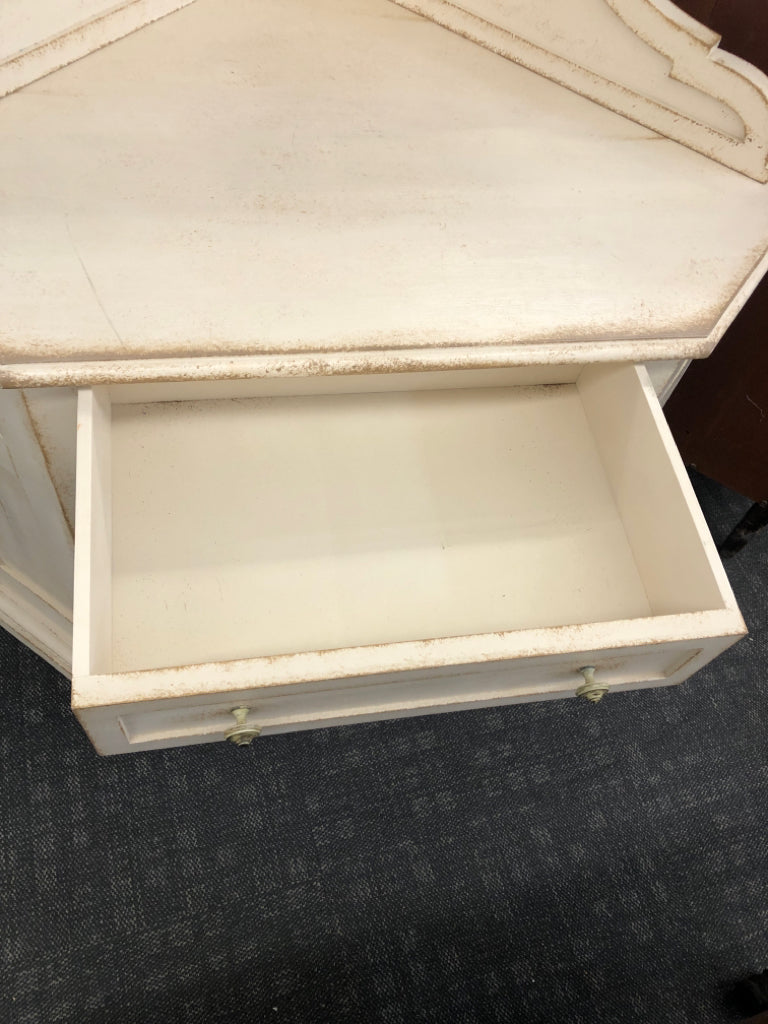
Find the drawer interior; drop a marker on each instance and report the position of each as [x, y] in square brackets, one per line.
[281, 519]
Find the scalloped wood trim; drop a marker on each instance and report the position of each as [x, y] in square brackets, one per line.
[690, 48]
[78, 40]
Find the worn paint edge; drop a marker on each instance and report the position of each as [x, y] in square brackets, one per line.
[368, 694]
[103, 724]
[80, 40]
[424, 655]
[36, 431]
[705, 68]
[737, 303]
[480, 698]
[89, 373]
[35, 622]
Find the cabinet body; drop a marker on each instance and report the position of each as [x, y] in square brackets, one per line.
[355, 309]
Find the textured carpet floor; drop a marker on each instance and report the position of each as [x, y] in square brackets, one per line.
[549, 862]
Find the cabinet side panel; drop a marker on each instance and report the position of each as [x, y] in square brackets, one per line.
[35, 540]
[53, 412]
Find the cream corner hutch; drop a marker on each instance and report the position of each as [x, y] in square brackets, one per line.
[340, 313]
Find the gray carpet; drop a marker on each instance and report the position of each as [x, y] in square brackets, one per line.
[539, 864]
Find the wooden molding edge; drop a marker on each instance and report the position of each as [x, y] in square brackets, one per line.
[78, 41]
[35, 622]
[694, 58]
[89, 373]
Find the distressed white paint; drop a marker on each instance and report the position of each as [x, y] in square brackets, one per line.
[51, 435]
[156, 724]
[35, 540]
[311, 539]
[316, 704]
[344, 187]
[595, 36]
[93, 532]
[306, 189]
[53, 415]
[645, 59]
[41, 36]
[43, 627]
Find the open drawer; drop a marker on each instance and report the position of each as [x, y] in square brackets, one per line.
[338, 549]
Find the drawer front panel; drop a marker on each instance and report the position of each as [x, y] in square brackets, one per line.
[197, 722]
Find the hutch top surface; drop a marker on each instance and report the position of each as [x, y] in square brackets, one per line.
[304, 186]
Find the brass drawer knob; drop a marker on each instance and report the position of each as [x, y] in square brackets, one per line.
[590, 689]
[242, 735]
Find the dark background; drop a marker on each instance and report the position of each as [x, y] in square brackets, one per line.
[743, 24]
